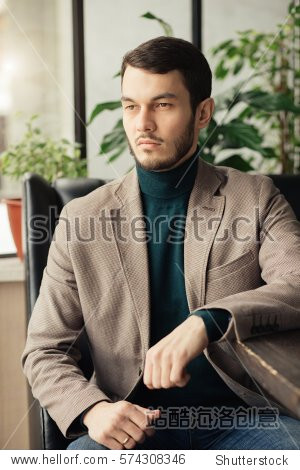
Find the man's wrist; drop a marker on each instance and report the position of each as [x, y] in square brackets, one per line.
[200, 327]
[216, 322]
[86, 414]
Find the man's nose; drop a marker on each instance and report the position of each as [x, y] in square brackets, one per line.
[145, 121]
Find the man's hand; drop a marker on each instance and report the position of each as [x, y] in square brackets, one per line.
[111, 423]
[166, 360]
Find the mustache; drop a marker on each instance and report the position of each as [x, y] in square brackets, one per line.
[150, 137]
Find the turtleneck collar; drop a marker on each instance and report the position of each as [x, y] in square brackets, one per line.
[171, 183]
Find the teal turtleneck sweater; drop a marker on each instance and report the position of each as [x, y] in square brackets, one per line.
[165, 207]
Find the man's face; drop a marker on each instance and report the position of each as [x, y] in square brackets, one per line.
[157, 117]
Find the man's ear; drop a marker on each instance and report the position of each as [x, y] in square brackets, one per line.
[204, 112]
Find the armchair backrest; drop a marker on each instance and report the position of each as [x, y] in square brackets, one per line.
[289, 186]
[42, 204]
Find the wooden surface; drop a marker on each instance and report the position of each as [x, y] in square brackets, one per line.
[273, 360]
[18, 429]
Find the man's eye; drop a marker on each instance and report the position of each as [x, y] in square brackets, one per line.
[163, 105]
[130, 107]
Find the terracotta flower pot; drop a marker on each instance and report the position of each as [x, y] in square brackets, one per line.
[14, 210]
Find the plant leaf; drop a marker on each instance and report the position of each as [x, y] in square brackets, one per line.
[236, 161]
[238, 134]
[269, 101]
[208, 157]
[238, 66]
[113, 139]
[121, 149]
[100, 107]
[222, 46]
[268, 152]
[221, 71]
[167, 28]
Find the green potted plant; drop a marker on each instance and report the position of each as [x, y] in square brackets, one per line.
[40, 154]
[267, 99]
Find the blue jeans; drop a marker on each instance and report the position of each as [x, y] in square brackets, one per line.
[285, 437]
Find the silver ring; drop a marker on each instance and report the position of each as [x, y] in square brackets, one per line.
[125, 442]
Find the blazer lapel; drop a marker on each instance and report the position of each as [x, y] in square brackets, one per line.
[204, 214]
[205, 211]
[132, 248]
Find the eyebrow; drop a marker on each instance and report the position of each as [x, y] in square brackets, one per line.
[154, 98]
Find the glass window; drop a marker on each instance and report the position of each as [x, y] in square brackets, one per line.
[36, 72]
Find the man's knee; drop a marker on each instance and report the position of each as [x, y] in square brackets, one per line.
[85, 443]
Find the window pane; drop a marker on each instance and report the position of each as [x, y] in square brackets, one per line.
[250, 62]
[36, 71]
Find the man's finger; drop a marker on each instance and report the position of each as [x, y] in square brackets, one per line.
[165, 380]
[143, 416]
[148, 374]
[156, 376]
[179, 376]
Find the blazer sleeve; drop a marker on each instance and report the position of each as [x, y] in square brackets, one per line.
[50, 359]
[274, 306]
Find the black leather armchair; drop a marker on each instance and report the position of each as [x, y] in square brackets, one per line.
[46, 201]
[289, 185]
[42, 205]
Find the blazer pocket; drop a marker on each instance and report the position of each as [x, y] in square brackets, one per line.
[231, 267]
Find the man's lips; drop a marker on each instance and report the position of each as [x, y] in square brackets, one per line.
[147, 142]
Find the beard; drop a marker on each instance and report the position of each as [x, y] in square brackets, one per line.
[182, 145]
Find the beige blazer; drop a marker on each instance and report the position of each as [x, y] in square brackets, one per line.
[241, 253]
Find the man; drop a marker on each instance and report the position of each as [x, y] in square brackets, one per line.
[184, 258]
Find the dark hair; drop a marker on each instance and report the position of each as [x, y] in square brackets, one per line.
[163, 54]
